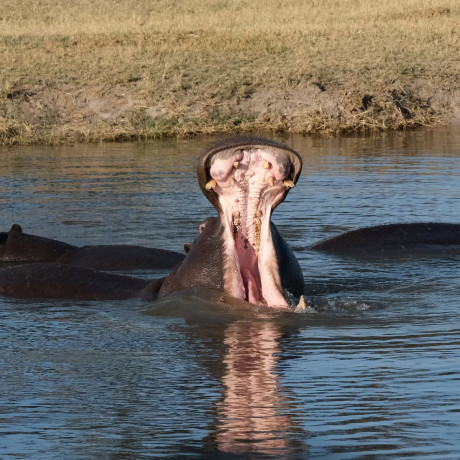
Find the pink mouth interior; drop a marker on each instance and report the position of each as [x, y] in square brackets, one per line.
[249, 182]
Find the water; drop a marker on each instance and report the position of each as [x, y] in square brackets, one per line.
[373, 371]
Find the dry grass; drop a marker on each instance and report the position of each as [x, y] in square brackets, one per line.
[127, 69]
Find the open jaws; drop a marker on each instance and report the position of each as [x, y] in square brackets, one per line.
[245, 183]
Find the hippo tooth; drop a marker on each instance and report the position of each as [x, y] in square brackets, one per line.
[236, 218]
[271, 181]
[265, 164]
[301, 306]
[288, 183]
[256, 231]
[236, 164]
[211, 184]
[252, 206]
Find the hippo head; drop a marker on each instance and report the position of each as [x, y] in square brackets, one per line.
[242, 253]
[236, 174]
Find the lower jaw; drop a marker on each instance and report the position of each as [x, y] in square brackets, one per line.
[248, 275]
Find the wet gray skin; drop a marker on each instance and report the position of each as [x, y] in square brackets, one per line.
[204, 264]
[38, 267]
[19, 247]
[58, 281]
[241, 252]
[121, 257]
[394, 239]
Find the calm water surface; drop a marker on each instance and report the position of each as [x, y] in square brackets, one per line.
[372, 371]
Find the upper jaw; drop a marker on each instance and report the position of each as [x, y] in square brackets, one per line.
[232, 148]
[245, 179]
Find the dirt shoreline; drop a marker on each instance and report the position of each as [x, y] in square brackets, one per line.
[95, 71]
[41, 114]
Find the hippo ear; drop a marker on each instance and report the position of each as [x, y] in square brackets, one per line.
[16, 228]
[187, 247]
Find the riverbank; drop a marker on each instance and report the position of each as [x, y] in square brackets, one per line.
[87, 72]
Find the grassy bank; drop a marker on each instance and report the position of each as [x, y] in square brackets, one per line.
[136, 69]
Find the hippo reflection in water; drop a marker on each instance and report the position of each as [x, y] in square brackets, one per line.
[240, 252]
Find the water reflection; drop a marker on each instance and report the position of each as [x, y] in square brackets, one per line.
[254, 416]
[242, 348]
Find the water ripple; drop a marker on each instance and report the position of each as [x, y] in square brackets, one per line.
[371, 371]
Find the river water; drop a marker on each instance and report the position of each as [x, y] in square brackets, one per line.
[372, 370]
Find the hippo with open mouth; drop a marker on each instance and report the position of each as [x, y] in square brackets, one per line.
[241, 252]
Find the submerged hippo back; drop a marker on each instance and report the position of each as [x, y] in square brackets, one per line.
[16, 246]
